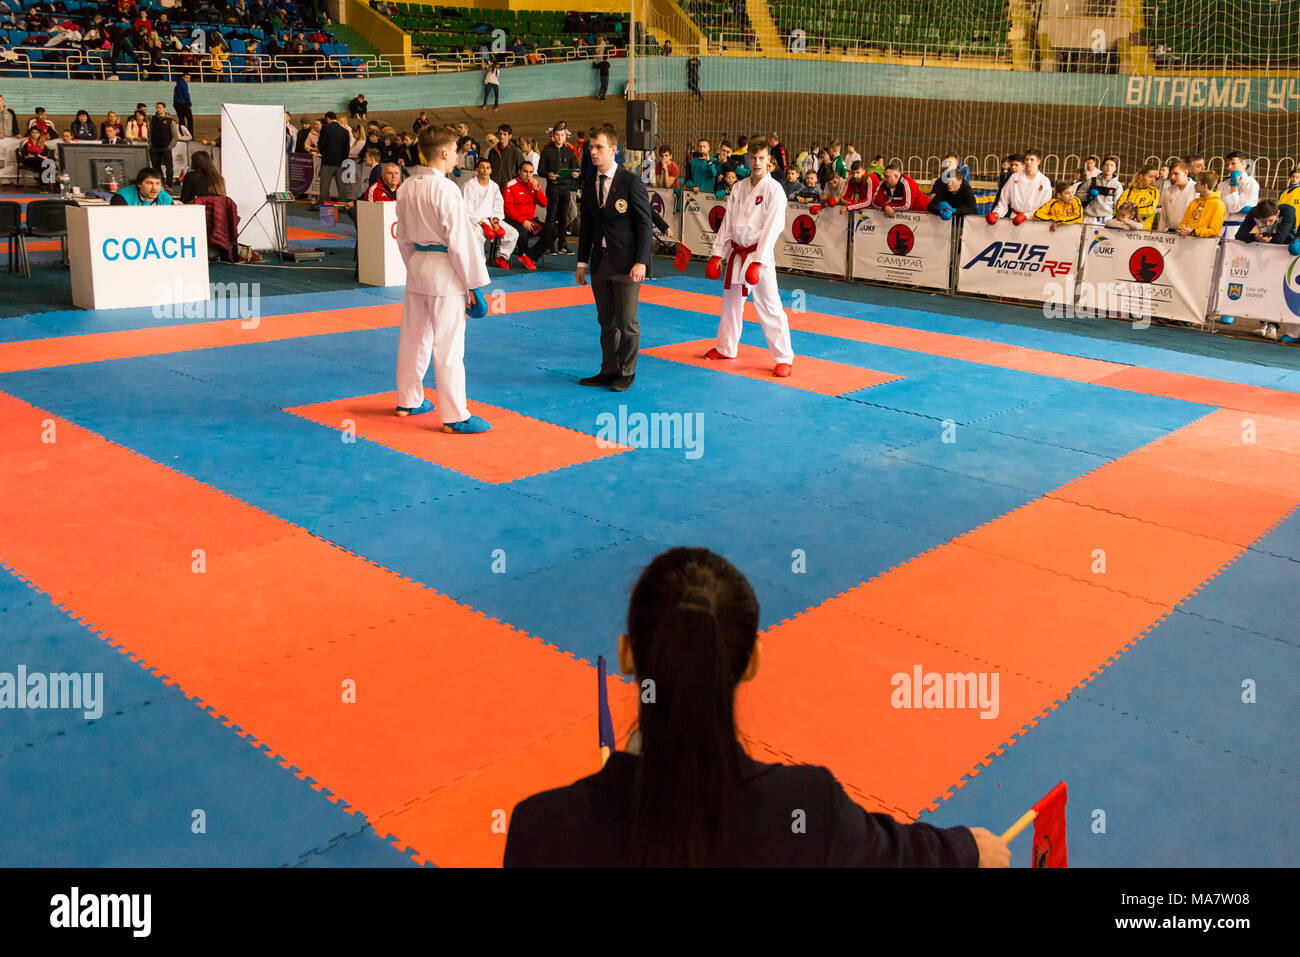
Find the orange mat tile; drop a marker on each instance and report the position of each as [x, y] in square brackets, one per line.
[811, 375]
[1232, 395]
[517, 446]
[1248, 466]
[1191, 503]
[1138, 558]
[1277, 433]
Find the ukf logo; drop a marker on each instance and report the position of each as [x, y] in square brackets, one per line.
[865, 225]
[1146, 264]
[1100, 245]
[900, 240]
[1291, 287]
[803, 229]
[716, 215]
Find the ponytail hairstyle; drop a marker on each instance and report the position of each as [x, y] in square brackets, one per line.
[692, 624]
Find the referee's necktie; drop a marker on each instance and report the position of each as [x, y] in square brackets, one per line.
[604, 190]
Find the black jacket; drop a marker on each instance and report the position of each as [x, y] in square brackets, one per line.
[587, 825]
[333, 144]
[963, 201]
[623, 223]
[1284, 230]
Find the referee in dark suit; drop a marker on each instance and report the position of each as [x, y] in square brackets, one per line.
[615, 238]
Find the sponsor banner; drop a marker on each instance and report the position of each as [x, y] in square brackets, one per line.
[912, 249]
[302, 172]
[814, 242]
[1029, 261]
[666, 203]
[701, 217]
[1169, 274]
[1259, 281]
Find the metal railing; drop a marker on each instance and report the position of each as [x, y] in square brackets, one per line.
[821, 47]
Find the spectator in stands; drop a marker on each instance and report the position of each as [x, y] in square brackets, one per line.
[1063, 208]
[392, 149]
[384, 188]
[897, 191]
[8, 121]
[163, 135]
[693, 77]
[505, 158]
[110, 131]
[860, 186]
[357, 108]
[333, 146]
[877, 166]
[1195, 165]
[1290, 195]
[421, 122]
[484, 203]
[304, 131]
[702, 171]
[1090, 170]
[1176, 197]
[1268, 222]
[685, 793]
[1126, 217]
[1100, 193]
[371, 167]
[182, 103]
[667, 173]
[467, 154]
[1204, 218]
[557, 166]
[217, 62]
[724, 185]
[1239, 189]
[851, 156]
[528, 147]
[824, 168]
[137, 127]
[492, 84]
[792, 183]
[1025, 191]
[146, 191]
[731, 162]
[601, 66]
[780, 159]
[838, 165]
[808, 193]
[42, 124]
[522, 197]
[83, 128]
[203, 178]
[953, 190]
[1142, 193]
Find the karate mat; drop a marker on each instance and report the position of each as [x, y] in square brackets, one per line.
[405, 621]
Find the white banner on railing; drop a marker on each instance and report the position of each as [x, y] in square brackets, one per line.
[1168, 274]
[1259, 281]
[814, 242]
[1029, 261]
[913, 249]
[701, 216]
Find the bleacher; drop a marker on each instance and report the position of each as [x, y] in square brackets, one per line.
[451, 30]
[244, 65]
[1235, 32]
[721, 21]
[977, 27]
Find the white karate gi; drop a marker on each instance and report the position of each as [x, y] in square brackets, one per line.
[755, 217]
[486, 203]
[431, 210]
[1023, 194]
[1246, 195]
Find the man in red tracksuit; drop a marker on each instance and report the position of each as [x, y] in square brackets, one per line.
[521, 197]
[897, 191]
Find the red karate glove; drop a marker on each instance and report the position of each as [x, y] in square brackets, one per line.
[751, 273]
[488, 231]
[992, 217]
[497, 229]
[815, 208]
[1019, 218]
[713, 270]
[832, 201]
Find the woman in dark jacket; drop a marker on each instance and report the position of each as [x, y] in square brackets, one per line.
[203, 178]
[688, 794]
[83, 128]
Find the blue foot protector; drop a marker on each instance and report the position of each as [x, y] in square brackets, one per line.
[1288, 338]
[1227, 320]
[470, 426]
[425, 406]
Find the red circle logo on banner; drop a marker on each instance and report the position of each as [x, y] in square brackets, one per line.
[393, 229]
[900, 240]
[715, 217]
[1146, 264]
[804, 229]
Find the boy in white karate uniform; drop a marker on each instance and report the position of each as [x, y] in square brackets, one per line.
[1026, 192]
[743, 252]
[443, 253]
[487, 209]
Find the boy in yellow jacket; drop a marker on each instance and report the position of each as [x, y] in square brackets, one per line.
[1143, 194]
[1205, 216]
[1064, 207]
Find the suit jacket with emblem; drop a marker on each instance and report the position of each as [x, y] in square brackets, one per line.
[623, 223]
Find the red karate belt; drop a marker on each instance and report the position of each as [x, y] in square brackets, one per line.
[743, 252]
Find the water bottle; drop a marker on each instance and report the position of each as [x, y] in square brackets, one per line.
[65, 185]
[112, 181]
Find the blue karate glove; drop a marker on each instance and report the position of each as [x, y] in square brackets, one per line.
[945, 212]
[1094, 193]
[1245, 210]
[1295, 247]
[477, 306]
[1235, 177]
[456, 172]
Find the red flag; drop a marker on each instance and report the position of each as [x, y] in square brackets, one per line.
[1049, 829]
[682, 258]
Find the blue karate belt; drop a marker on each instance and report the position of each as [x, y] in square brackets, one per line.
[431, 248]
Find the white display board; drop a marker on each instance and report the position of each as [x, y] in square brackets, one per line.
[253, 166]
[137, 255]
[1030, 261]
[1258, 281]
[379, 259]
[814, 242]
[912, 249]
[1168, 274]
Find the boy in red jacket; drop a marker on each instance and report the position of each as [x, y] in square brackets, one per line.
[521, 198]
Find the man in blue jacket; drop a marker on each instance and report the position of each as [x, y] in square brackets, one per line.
[181, 103]
[147, 191]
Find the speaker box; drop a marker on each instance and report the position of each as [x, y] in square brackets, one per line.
[642, 125]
